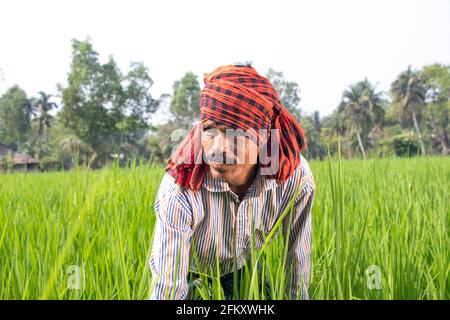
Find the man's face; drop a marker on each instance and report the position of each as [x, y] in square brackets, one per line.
[231, 154]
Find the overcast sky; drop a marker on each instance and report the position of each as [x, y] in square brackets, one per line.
[323, 45]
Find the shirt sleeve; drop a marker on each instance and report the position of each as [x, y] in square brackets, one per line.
[169, 259]
[299, 244]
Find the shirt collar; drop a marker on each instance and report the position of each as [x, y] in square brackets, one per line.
[260, 184]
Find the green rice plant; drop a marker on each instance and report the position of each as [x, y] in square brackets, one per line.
[380, 231]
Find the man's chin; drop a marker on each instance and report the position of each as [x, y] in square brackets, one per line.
[218, 173]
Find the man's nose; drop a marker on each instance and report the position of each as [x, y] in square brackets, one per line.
[221, 145]
[222, 148]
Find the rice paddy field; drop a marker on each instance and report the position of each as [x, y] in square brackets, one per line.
[380, 231]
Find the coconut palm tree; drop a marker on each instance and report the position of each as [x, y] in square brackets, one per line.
[362, 106]
[43, 105]
[409, 92]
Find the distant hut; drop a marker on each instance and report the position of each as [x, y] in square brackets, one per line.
[16, 161]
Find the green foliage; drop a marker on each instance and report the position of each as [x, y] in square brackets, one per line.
[288, 91]
[313, 125]
[185, 100]
[93, 97]
[405, 145]
[436, 79]
[409, 92]
[363, 108]
[104, 107]
[41, 124]
[110, 114]
[15, 117]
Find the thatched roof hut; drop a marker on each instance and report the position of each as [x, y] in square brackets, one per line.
[16, 160]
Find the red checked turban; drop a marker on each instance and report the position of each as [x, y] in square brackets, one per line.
[238, 97]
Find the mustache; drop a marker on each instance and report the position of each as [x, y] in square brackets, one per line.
[220, 158]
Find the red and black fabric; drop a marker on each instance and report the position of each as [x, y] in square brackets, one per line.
[238, 97]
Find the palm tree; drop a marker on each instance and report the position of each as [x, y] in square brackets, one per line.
[43, 105]
[409, 92]
[362, 107]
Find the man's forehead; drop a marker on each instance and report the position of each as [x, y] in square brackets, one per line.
[215, 124]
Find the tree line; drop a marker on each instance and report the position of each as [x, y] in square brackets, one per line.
[106, 115]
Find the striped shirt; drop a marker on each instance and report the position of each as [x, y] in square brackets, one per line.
[212, 216]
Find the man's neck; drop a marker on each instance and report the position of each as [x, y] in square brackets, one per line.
[241, 190]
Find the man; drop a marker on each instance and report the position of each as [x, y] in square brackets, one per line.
[229, 181]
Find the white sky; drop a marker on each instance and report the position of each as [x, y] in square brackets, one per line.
[323, 45]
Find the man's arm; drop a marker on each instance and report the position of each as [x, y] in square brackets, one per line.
[169, 258]
[299, 245]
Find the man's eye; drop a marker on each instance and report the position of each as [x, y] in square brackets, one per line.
[209, 132]
[240, 133]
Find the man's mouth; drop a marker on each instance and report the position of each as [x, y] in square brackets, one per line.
[218, 165]
[220, 162]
